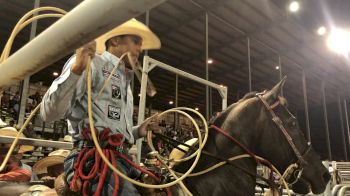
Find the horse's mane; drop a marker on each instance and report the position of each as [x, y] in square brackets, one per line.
[218, 120]
[248, 96]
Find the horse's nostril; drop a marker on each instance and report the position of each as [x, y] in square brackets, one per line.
[326, 177]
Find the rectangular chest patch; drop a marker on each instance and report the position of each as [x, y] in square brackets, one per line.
[106, 73]
[116, 93]
[114, 112]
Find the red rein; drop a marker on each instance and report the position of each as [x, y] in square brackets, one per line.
[223, 132]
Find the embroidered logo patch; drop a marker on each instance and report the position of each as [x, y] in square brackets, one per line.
[116, 93]
[106, 73]
[114, 112]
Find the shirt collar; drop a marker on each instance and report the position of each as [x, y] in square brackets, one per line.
[111, 57]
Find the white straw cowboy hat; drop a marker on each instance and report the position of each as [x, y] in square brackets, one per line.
[39, 190]
[131, 27]
[61, 152]
[12, 132]
[2, 123]
[67, 138]
[54, 158]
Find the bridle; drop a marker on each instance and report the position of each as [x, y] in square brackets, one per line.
[301, 162]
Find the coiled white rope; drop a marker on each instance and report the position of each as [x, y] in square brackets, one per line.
[24, 21]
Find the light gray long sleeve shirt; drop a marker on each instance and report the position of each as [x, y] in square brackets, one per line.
[67, 97]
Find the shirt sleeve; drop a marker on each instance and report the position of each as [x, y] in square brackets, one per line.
[19, 175]
[135, 132]
[56, 100]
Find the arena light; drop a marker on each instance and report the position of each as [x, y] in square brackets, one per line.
[139, 94]
[321, 30]
[294, 6]
[196, 109]
[277, 67]
[339, 41]
[55, 73]
[210, 61]
[171, 102]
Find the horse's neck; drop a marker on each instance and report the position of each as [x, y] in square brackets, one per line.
[226, 180]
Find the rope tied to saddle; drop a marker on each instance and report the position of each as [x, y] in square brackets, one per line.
[110, 144]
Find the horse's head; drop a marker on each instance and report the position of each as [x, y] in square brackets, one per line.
[283, 143]
[264, 123]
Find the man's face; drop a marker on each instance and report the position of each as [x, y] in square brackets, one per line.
[132, 44]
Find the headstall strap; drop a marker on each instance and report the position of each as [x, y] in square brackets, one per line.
[279, 123]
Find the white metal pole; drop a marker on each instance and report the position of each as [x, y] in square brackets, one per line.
[176, 120]
[325, 115]
[142, 103]
[147, 23]
[84, 23]
[280, 71]
[347, 120]
[206, 66]
[183, 73]
[222, 89]
[306, 107]
[340, 109]
[25, 82]
[249, 66]
[37, 142]
[224, 99]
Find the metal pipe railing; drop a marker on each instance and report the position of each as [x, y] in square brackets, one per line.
[84, 23]
[37, 142]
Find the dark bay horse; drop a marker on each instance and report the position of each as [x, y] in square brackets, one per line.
[251, 122]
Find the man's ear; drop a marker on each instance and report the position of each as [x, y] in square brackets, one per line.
[115, 41]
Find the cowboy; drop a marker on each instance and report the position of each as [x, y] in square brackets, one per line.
[112, 108]
[15, 171]
[50, 167]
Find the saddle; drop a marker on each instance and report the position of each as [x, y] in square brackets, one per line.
[177, 154]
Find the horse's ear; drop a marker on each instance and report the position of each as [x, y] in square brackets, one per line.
[276, 90]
